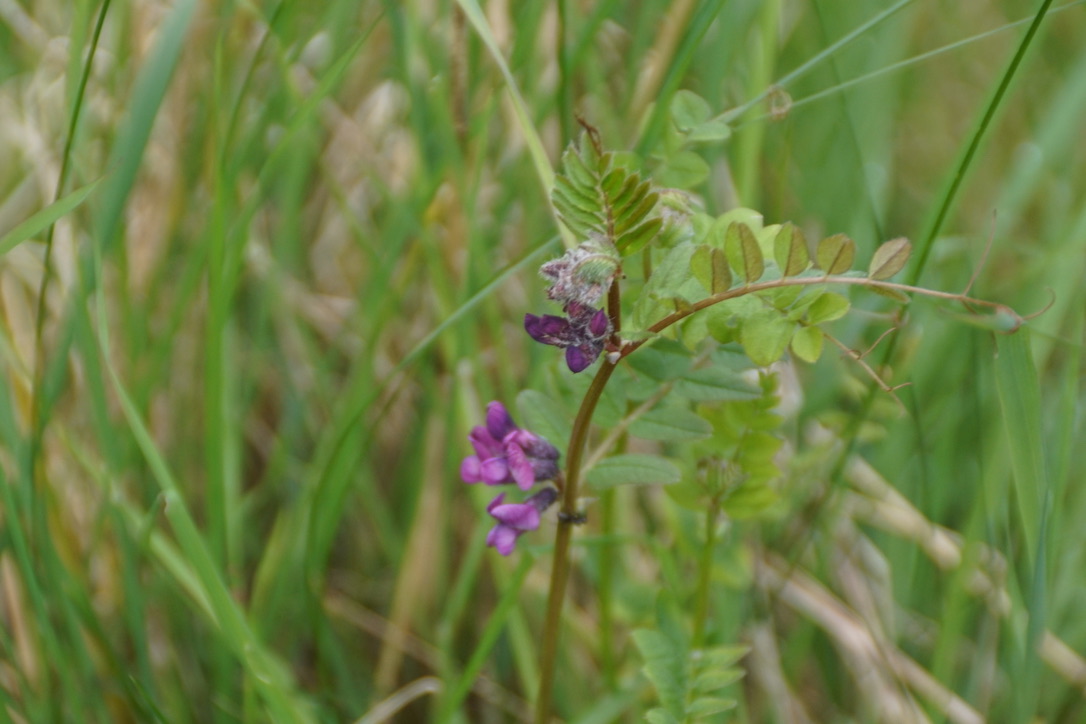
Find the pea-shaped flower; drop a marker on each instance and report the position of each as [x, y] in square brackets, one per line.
[505, 453]
[582, 334]
[515, 519]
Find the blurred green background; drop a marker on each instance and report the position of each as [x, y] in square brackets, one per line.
[295, 269]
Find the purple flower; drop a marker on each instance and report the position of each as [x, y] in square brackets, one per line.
[504, 453]
[515, 519]
[582, 334]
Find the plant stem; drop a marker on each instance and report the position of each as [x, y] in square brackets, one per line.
[697, 306]
[560, 569]
[705, 569]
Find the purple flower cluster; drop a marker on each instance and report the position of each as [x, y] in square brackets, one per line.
[578, 280]
[582, 334]
[506, 454]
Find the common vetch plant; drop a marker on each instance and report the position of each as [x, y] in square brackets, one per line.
[674, 308]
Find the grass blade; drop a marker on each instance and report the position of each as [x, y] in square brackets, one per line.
[46, 217]
[1020, 397]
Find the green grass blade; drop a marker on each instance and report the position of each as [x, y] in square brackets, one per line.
[46, 217]
[269, 677]
[543, 168]
[923, 249]
[459, 689]
[1020, 397]
[146, 99]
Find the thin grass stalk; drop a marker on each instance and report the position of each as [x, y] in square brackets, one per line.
[951, 193]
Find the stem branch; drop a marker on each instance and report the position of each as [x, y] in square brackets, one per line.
[697, 306]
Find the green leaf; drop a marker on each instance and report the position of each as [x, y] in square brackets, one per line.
[743, 215]
[723, 657]
[708, 706]
[750, 501]
[627, 218]
[716, 384]
[710, 267]
[576, 169]
[717, 678]
[787, 299]
[807, 343]
[671, 424]
[672, 279]
[889, 258]
[827, 307]
[635, 239]
[688, 109]
[43, 218]
[545, 417]
[633, 189]
[664, 667]
[603, 163]
[709, 132]
[664, 361]
[582, 198]
[660, 715]
[723, 320]
[897, 295]
[835, 254]
[744, 254]
[711, 234]
[684, 170]
[613, 182]
[764, 336]
[632, 469]
[790, 251]
[579, 221]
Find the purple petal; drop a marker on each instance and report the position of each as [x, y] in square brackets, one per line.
[548, 329]
[544, 469]
[519, 516]
[519, 466]
[599, 324]
[533, 445]
[576, 359]
[499, 422]
[471, 470]
[496, 502]
[485, 444]
[503, 538]
[495, 471]
[543, 499]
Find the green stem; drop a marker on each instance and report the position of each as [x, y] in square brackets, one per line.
[697, 306]
[606, 589]
[705, 568]
[560, 570]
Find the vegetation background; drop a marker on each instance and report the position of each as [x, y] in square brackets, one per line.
[296, 245]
